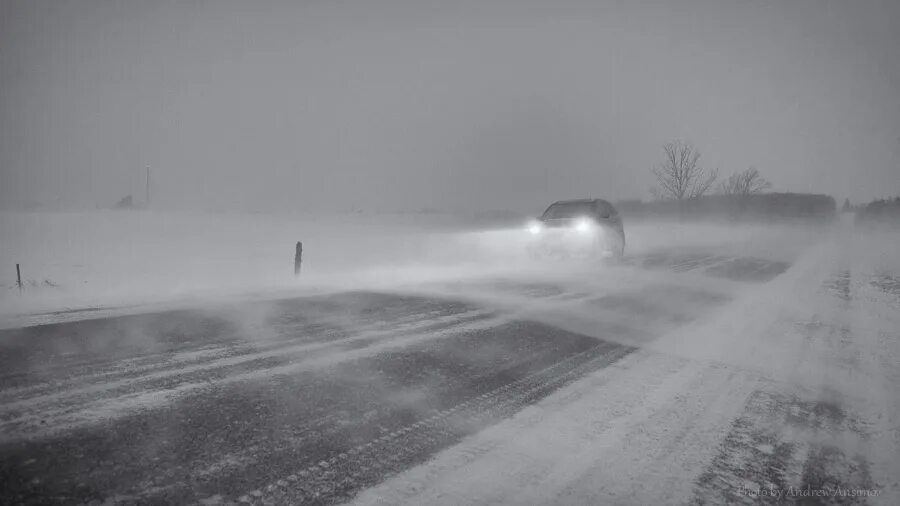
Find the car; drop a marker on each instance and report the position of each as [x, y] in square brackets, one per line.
[584, 227]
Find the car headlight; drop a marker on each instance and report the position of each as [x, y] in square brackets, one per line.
[584, 225]
[535, 227]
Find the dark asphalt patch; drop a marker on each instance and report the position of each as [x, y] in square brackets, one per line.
[779, 444]
[666, 304]
[534, 289]
[886, 283]
[839, 285]
[89, 346]
[829, 468]
[234, 438]
[691, 262]
[679, 261]
[341, 477]
[746, 269]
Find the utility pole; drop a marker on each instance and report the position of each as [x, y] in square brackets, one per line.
[147, 189]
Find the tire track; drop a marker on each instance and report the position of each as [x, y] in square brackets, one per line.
[784, 444]
[165, 367]
[63, 410]
[249, 433]
[338, 478]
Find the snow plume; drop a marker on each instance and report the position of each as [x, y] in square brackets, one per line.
[101, 260]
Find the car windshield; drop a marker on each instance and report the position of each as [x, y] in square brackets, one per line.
[563, 210]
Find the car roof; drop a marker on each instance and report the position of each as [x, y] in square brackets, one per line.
[578, 201]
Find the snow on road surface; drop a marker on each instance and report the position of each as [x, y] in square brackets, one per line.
[715, 365]
[788, 393]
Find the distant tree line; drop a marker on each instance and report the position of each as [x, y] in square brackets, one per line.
[752, 207]
[882, 211]
[681, 177]
[686, 190]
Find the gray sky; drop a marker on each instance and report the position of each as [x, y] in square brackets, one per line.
[449, 105]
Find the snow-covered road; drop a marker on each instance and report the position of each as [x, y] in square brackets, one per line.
[702, 374]
[788, 393]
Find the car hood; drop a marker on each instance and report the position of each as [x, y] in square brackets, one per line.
[559, 222]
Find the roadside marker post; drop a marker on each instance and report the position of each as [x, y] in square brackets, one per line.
[19, 278]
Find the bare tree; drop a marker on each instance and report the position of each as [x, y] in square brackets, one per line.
[679, 177]
[747, 182]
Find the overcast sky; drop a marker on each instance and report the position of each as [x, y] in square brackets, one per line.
[381, 105]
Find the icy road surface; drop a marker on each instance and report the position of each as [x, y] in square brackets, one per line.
[699, 376]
